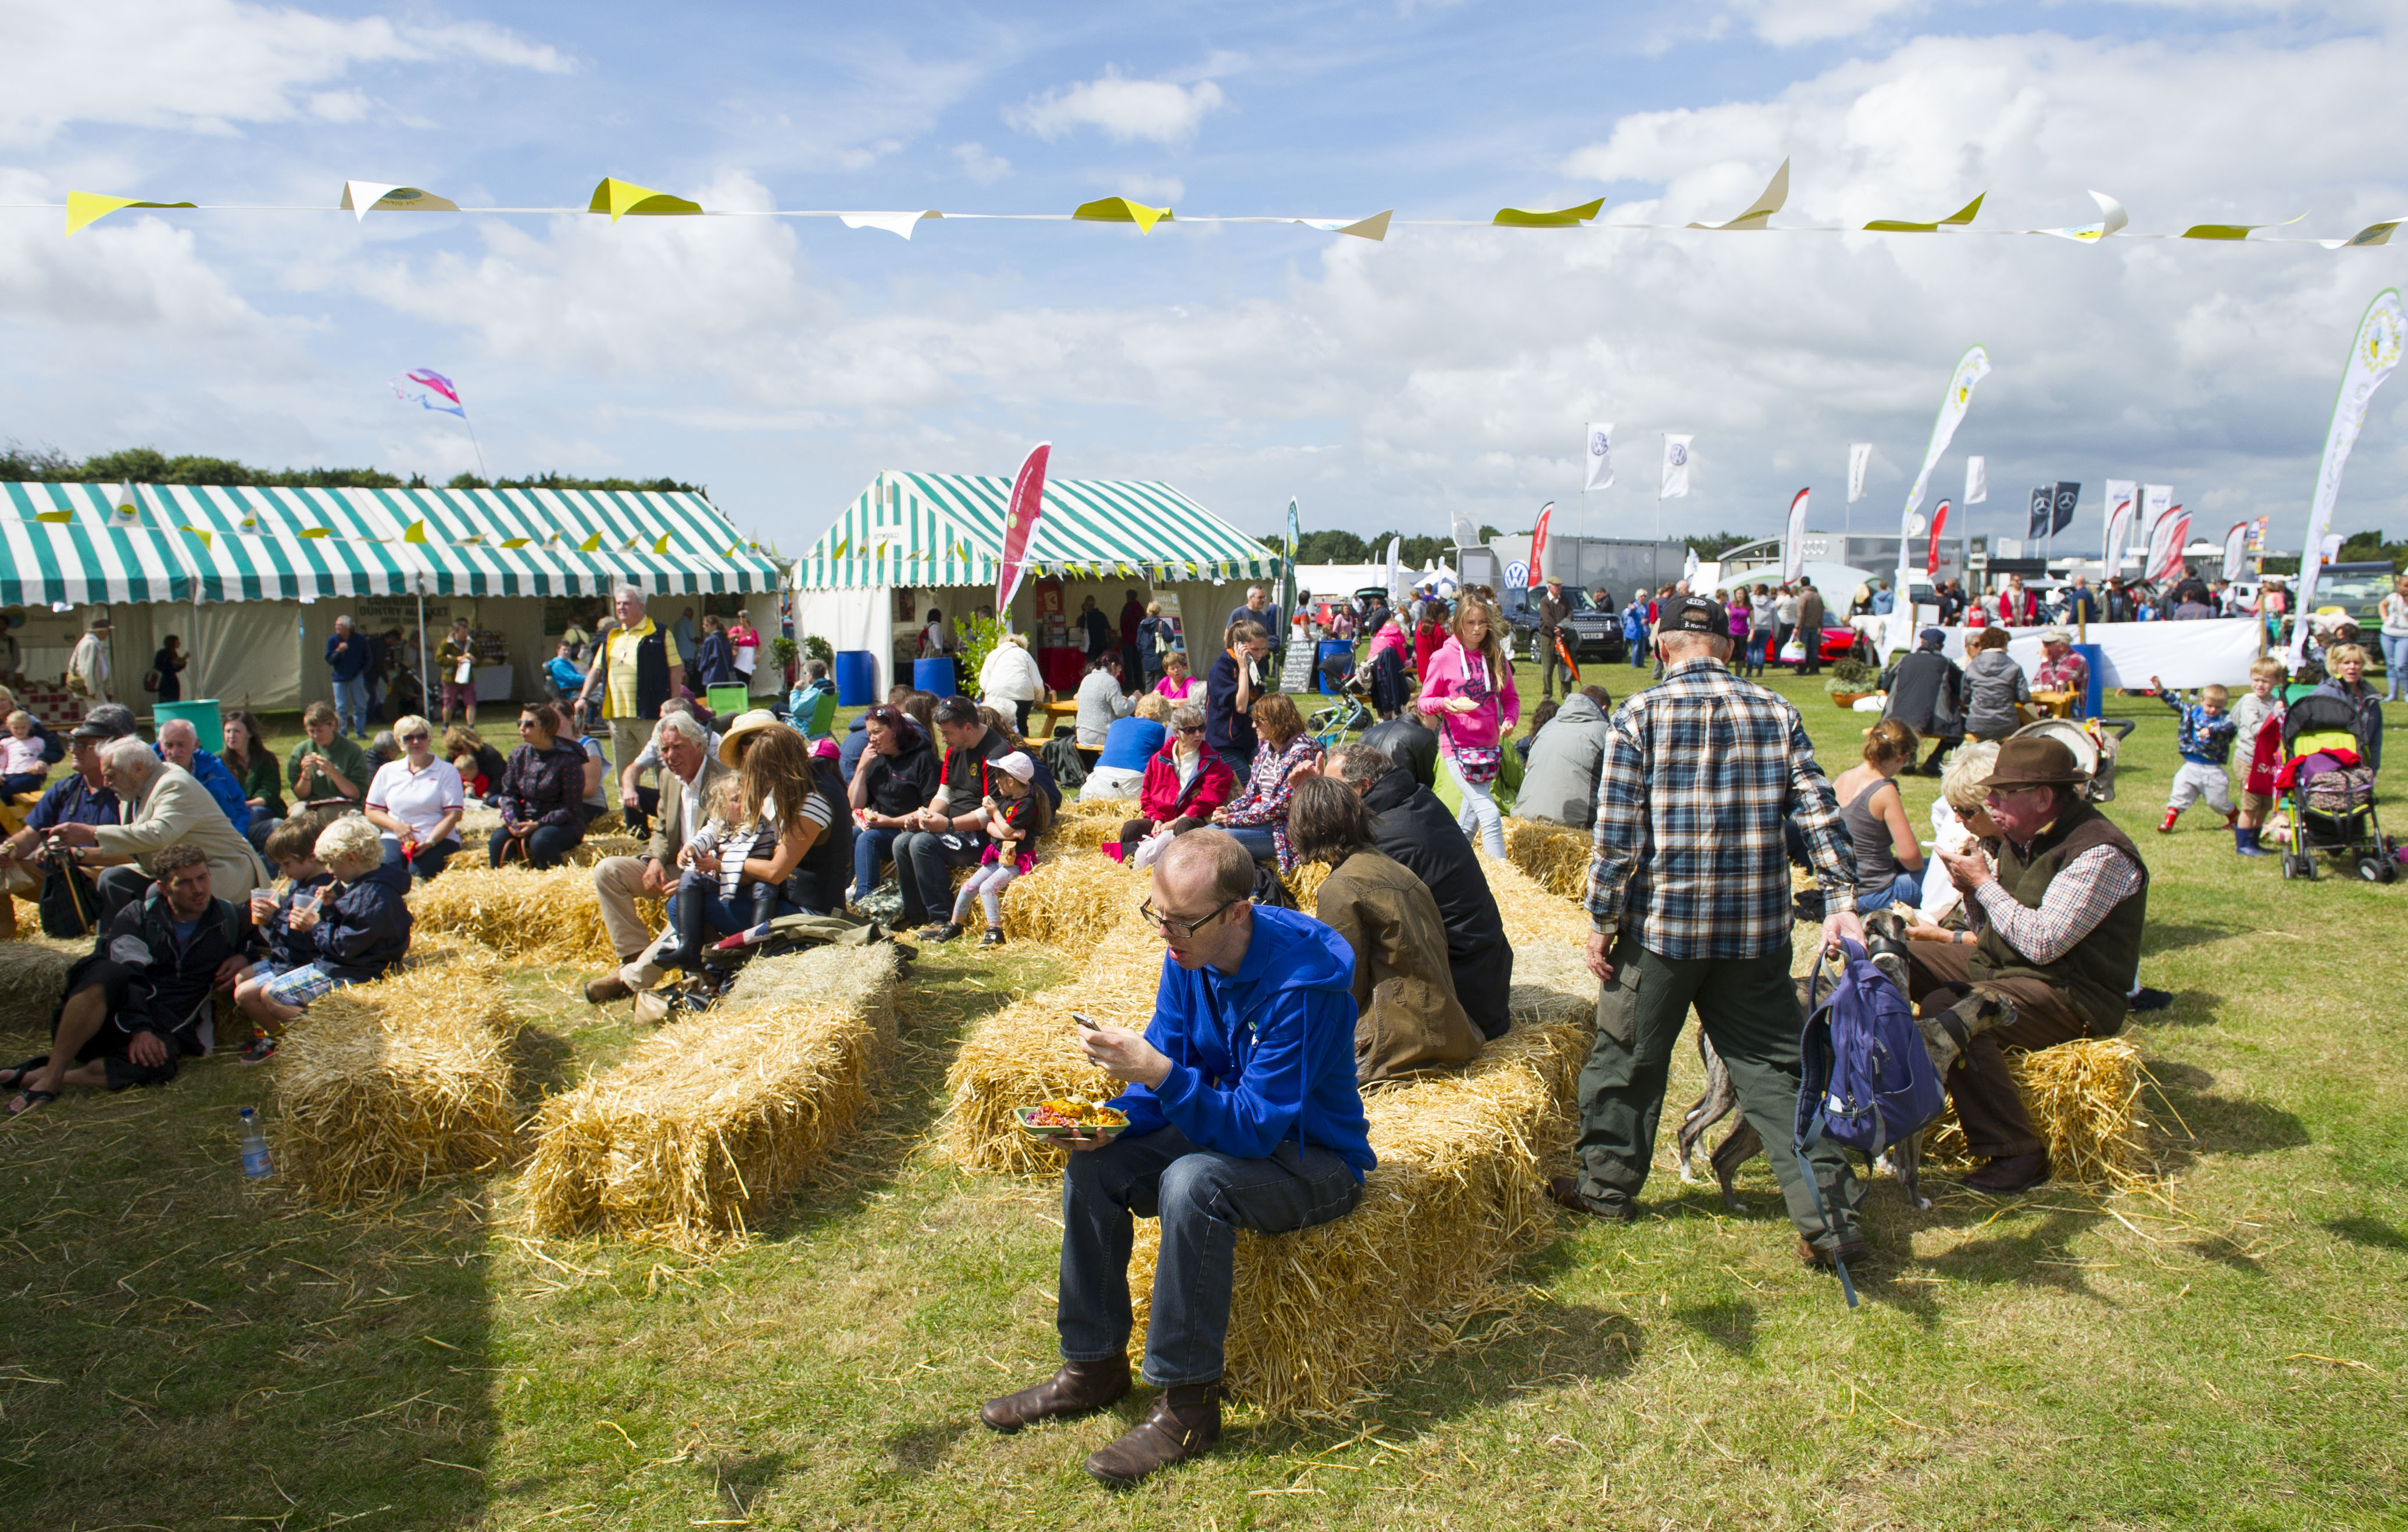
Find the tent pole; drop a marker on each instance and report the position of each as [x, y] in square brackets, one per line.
[421, 585]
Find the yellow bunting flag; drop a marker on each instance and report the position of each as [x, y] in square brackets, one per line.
[661, 544]
[591, 545]
[55, 517]
[516, 542]
[1956, 220]
[2374, 234]
[1776, 192]
[1562, 218]
[2232, 231]
[86, 206]
[315, 532]
[202, 533]
[416, 533]
[620, 198]
[473, 539]
[1122, 210]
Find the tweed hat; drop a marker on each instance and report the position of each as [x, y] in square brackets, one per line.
[2033, 762]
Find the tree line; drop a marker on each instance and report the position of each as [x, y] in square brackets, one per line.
[148, 465]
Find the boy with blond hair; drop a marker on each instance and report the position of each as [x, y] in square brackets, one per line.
[2257, 733]
[2205, 743]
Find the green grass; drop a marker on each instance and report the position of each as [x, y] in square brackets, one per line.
[186, 1349]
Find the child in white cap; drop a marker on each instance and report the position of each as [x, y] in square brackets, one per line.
[1013, 820]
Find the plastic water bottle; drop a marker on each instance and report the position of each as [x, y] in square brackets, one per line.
[254, 1145]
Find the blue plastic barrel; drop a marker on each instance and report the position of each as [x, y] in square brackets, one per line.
[1328, 646]
[2097, 657]
[934, 676]
[856, 677]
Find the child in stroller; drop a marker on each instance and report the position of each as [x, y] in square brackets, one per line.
[2330, 794]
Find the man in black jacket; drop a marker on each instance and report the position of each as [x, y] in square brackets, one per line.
[1410, 826]
[1926, 693]
[1552, 608]
[141, 1000]
[1408, 744]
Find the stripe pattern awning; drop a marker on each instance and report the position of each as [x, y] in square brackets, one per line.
[78, 544]
[932, 530]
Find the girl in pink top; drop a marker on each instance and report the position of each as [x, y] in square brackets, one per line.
[1468, 691]
[1176, 682]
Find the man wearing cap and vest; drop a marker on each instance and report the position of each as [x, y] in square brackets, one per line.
[2054, 948]
[1689, 893]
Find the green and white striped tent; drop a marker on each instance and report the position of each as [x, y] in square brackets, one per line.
[85, 544]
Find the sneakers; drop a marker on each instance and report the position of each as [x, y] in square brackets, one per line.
[260, 1048]
[945, 932]
[994, 937]
[606, 989]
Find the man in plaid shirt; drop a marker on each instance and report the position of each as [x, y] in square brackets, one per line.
[1690, 892]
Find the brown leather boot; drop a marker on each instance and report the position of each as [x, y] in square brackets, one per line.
[1186, 1422]
[1076, 1388]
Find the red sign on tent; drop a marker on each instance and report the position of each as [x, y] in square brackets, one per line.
[1020, 523]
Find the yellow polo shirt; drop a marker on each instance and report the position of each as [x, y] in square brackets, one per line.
[619, 700]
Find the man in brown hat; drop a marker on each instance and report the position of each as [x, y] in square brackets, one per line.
[2056, 948]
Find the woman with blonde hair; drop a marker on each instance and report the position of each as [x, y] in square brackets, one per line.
[1257, 817]
[1889, 858]
[1008, 677]
[417, 801]
[1469, 694]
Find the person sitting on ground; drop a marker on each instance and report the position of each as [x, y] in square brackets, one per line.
[1175, 684]
[1129, 745]
[417, 801]
[164, 806]
[691, 772]
[356, 928]
[898, 774]
[480, 764]
[1101, 699]
[1407, 1015]
[293, 850]
[541, 795]
[1926, 693]
[1889, 858]
[1015, 817]
[142, 998]
[2056, 955]
[1560, 784]
[331, 770]
[1242, 1114]
[1257, 818]
[253, 765]
[1994, 685]
[1009, 679]
[1412, 827]
[1185, 782]
[180, 742]
[22, 770]
[70, 905]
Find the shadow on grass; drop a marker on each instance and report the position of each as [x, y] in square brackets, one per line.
[2174, 936]
[2220, 1124]
[2371, 1232]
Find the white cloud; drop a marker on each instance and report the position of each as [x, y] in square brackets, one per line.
[1145, 187]
[980, 165]
[208, 65]
[1124, 109]
[1787, 22]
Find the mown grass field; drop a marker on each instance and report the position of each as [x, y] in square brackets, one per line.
[186, 1349]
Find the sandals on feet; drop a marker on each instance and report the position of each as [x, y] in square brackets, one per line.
[15, 1073]
[30, 1100]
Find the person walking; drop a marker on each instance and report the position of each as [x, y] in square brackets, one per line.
[88, 663]
[1552, 608]
[1470, 694]
[636, 667]
[1809, 627]
[1690, 897]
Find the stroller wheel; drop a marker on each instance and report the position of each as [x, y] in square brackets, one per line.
[2371, 869]
[2290, 866]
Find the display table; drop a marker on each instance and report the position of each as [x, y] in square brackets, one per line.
[1062, 667]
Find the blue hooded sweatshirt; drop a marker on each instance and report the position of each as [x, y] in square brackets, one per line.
[363, 927]
[1262, 1055]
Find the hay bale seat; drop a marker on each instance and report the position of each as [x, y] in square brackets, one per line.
[1553, 855]
[594, 848]
[33, 976]
[551, 917]
[723, 1112]
[2085, 1097]
[382, 1086]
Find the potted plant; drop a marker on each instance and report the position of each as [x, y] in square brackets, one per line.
[1851, 680]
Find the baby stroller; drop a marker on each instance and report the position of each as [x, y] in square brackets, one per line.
[2094, 743]
[2330, 800]
[1331, 725]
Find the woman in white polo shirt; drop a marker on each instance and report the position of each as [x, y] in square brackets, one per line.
[417, 801]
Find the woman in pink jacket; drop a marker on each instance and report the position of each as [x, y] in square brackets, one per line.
[1468, 693]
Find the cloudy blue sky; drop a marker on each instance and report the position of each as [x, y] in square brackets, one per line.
[783, 362]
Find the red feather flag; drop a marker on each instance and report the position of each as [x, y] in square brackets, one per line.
[1019, 524]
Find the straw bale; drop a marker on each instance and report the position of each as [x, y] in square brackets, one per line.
[549, 917]
[1555, 855]
[1533, 916]
[1083, 825]
[33, 976]
[2085, 1097]
[723, 1112]
[594, 848]
[382, 1086]
[1304, 882]
[1072, 900]
[1321, 1317]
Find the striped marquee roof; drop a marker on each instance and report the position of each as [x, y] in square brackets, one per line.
[930, 530]
[71, 543]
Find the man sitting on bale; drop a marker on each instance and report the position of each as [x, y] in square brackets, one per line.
[1566, 760]
[2057, 951]
[142, 999]
[163, 807]
[951, 831]
[1690, 891]
[1411, 827]
[690, 779]
[1242, 1114]
[180, 743]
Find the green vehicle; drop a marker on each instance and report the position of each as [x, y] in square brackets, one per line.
[2357, 589]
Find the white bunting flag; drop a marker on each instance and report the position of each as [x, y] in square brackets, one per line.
[1676, 466]
[1600, 459]
[2373, 353]
[1970, 369]
[1859, 454]
[1977, 480]
[2121, 509]
[1793, 545]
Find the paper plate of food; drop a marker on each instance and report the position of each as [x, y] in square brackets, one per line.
[1061, 1118]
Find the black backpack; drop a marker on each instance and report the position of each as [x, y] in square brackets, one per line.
[69, 903]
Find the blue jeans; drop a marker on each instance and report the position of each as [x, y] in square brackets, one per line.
[1906, 889]
[869, 848]
[1203, 1199]
[2395, 667]
[351, 705]
[1638, 650]
[544, 848]
[1256, 838]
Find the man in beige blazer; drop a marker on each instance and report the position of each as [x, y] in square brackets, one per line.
[693, 775]
[160, 805]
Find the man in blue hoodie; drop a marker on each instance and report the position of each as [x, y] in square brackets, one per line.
[1242, 1114]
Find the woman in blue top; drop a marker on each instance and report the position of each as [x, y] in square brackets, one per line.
[1128, 744]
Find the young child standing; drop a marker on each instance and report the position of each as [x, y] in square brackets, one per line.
[2257, 731]
[2204, 742]
[1013, 811]
[21, 766]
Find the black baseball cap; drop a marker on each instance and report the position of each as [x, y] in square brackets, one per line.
[1694, 614]
[108, 721]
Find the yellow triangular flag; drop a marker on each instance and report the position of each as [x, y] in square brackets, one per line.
[591, 545]
[1122, 210]
[416, 533]
[621, 197]
[1958, 218]
[472, 540]
[660, 545]
[1562, 218]
[202, 533]
[87, 207]
[516, 542]
[56, 517]
[315, 532]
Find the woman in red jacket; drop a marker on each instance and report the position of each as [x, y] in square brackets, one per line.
[1183, 783]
